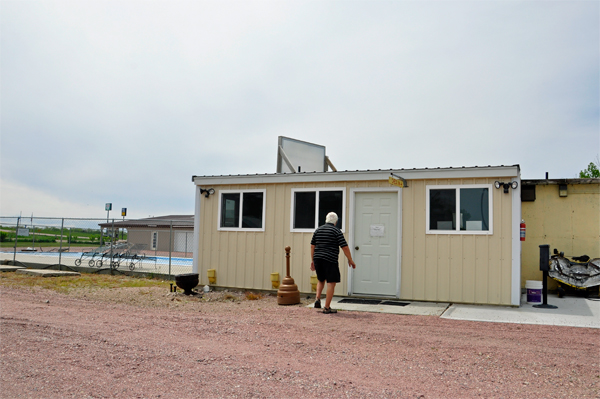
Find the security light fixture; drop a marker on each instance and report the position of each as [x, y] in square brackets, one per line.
[207, 191]
[562, 190]
[506, 186]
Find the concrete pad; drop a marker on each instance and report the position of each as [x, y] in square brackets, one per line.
[570, 311]
[6, 268]
[413, 308]
[47, 273]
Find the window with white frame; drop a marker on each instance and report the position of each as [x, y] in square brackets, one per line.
[472, 204]
[311, 206]
[242, 210]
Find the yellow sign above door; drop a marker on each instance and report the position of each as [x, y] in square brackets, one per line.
[396, 182]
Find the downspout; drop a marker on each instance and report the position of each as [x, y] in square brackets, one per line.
[195, 264]
[515, 289]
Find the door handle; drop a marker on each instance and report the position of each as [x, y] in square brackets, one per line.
[356, 247]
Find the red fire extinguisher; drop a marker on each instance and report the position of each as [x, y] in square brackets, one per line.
[522, 230]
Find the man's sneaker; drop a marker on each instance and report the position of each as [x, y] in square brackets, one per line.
[329, 310]
[318, 304]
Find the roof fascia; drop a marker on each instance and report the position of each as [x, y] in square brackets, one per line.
[369, 175]
[544, 182]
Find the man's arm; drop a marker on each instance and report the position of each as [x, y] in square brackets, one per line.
[346, 250]
[312, 258]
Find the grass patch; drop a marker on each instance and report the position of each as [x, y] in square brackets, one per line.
[68, 283]
[39, 245]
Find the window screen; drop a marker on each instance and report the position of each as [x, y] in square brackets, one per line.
[242, 210]
[230, 210]
[330, 201]
[311, 207]
[474, 212]
[252, 210]
[459, 209]
[304, 210]
[442, 209]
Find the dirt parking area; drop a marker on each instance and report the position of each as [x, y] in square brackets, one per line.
[145, 342]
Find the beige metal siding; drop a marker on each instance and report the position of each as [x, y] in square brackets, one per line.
[434, 267]
[163, 240]
[137, 236]
[247, 259]
[455, 268]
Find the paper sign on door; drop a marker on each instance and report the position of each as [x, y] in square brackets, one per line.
[377, 230]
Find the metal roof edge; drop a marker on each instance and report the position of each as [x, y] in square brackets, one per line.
[542, 182]
[362, 175]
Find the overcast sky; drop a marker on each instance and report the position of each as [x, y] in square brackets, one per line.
[123, 101]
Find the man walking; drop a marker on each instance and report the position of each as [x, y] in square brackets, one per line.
[325, 249]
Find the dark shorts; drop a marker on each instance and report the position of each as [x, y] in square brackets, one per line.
[327, 271]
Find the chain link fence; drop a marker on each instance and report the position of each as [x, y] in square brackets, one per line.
[151, 246]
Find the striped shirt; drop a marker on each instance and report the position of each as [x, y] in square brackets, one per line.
[328, 240]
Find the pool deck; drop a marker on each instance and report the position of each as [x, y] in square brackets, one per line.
[145, 264]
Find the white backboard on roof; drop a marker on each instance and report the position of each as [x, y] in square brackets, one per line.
[300, 156]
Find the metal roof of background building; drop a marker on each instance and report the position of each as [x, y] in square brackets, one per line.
[176, 221]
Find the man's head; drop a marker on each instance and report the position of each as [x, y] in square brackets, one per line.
[332, 218]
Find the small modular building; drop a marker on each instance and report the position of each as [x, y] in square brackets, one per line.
[161, 233]
[443, 235]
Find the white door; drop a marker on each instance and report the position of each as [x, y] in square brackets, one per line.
[376, 243]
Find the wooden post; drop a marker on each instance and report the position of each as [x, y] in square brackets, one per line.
[288, 293]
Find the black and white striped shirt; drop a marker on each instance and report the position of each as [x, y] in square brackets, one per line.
[328, 240]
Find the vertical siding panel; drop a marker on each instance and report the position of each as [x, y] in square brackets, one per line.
[482, 267]
[431, 260]
[243, 266]
[248, 260]
[211, 246]
[344, 270]
[481, 270]
[286, 237]
[298, 267]
[420, 241]
[206, 253]
[457, 274]
[233, 244]
[202, 239]
[230, 259]
[296, 241]
[495, 250]
[407, 245]
[503, 295]
[274, 231]
[306, 266]
[261, 277]
[221, 266]
[283, 231]
[443, 268]
[469, 276]
[273, 199]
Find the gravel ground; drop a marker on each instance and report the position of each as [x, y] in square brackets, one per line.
[149, 343]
